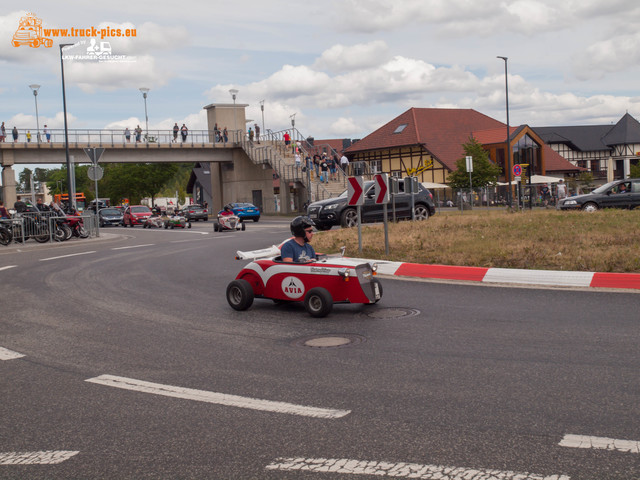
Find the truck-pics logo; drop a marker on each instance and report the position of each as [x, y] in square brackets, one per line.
[30, 33]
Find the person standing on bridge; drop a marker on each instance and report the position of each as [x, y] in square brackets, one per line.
[225, 135]
[138, 133]
[184, 131]
[47, 134]
[257, 128]
[3, 132]
[176, 129]
[127, 134]
[15, 134]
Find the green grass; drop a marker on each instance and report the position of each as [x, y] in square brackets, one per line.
[604, 241]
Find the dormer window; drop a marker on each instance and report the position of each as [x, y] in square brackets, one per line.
[400, 128]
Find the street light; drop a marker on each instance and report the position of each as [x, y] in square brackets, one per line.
[234, 93]
[146, 117]
[72, 201]
[506, 86]
[35, 88]
[262, 110]
[293, 128]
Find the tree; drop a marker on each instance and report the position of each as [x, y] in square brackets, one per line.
[485, 172]
[634, 172]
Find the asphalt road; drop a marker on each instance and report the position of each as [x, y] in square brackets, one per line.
[134, 366]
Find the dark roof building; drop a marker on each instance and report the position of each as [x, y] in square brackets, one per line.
[607, 151]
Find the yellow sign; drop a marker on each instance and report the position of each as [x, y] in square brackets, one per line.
[412, 172]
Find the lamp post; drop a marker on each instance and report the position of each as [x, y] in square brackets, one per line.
[506, 86]
[262, 110]
[72, 201]
[234, 93]
[293, 130]
[35, 87]
[146, 117]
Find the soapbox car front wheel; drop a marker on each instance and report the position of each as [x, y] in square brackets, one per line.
[318, 302]
[240, 294]
[216, 226]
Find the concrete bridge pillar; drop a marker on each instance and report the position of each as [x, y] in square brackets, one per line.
[9, 193]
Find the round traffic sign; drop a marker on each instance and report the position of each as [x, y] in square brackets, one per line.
[517, 170]
[95, 173]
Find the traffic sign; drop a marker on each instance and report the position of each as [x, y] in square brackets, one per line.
[95, 173]
[94, 154]
[382, 187]
[355, 190]
[517, 170]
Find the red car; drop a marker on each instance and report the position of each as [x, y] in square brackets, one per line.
[318, 285]
[136, 215]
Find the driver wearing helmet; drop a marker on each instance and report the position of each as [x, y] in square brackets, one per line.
[298, 249]
[226, 211]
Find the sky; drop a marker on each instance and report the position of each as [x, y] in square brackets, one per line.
[343, 67]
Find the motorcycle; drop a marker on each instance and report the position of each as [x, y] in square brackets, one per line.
[32, 226]
[72, 224]
[5, 235]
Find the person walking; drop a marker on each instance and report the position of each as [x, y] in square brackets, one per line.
[250, 133]
[324, 168]
[184, 131]
[344, 164]
[561, 192]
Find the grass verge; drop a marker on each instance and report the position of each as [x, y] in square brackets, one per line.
[603, 241]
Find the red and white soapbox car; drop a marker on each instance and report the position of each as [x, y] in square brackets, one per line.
[228, 222]
[318, 284]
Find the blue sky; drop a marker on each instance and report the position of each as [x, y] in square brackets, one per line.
[345, 67]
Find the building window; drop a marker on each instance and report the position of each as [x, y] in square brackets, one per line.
[400, 128]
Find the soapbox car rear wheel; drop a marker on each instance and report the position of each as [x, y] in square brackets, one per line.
[216, 226]
[240, 294]
[318, 302]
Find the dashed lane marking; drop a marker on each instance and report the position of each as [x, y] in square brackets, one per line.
[66, 256]
[7, 267]
[401, 470]
[217, 398]
[600, 443]
[134, 246]
[6, 354]
[48, 457]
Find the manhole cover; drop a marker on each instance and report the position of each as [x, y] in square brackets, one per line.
[329, 341]
[393, 312]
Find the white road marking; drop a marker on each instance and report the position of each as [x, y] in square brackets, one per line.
[217, 398]
[7, 267]
[49, 457]
[66, 256]
[6, 354]
[600, 443]
[134, 246]
[401, 470]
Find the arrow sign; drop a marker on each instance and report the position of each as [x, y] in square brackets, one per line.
[382, 187]
[355, 190]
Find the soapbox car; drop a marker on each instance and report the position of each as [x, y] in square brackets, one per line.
[176, 221]
[154, 221]
[318, 284]
[228, 222]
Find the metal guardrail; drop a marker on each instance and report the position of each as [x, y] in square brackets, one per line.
[40, 226]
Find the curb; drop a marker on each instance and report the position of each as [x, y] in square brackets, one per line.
[549, 278]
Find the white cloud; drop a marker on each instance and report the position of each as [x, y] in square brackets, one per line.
[340, 58]
[611, 55]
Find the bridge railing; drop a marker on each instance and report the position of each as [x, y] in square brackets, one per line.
[105, 137]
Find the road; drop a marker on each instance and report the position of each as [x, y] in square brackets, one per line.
[120, 358]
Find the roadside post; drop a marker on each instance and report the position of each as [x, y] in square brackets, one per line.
[517, 172]
[355, 196]
[382, 196]
[411, 187]
[95, 173]
[469, 161]
[395, 189]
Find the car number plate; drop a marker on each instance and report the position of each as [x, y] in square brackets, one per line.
[313, 215]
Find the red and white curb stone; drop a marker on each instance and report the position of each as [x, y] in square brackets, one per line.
[557, 278]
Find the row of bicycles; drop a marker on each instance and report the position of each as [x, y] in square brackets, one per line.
[42, 226]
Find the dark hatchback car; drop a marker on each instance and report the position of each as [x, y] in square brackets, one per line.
[616, 194]
[336, 211]
[110, 216]
[246, 211]
[195, 212]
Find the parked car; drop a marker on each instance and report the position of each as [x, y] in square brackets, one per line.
[336, 211]
[616, 194]
[135, 215]
[246, 211]
[195, 212]
[110, 216]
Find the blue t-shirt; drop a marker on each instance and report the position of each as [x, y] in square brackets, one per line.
[292, 249]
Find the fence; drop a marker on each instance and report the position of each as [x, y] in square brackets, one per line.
[41, 226]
